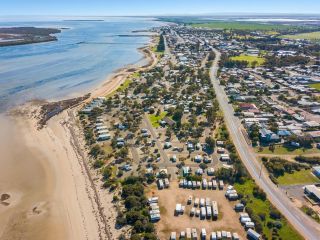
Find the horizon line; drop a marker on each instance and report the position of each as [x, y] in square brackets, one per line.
[166, 15]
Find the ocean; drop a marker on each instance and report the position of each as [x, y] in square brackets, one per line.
[85, 53]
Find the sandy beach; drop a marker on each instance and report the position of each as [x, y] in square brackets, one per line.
[48, 189]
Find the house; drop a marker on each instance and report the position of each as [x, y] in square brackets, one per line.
[247, 106]
[284, 133]
[315, 135]
[311, 124]
[169, 121]
[185, 171]
[268, 136]
[316, 171]
[312, 193]
[251, 234]
[198, 158]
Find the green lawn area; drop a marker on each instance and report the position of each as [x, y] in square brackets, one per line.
[260, 206]
[298, 177]
[314, 36]
[316, 86]
[250, 59]
[124, 85]
[121, 88]
[155, 119]
[282, 150]
[240, 26]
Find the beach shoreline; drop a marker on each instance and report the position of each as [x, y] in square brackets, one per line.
[114, 80]
[64, 198]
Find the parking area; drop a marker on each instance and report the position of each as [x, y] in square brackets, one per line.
[168, 198]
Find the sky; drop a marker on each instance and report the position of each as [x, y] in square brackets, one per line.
[154, 7]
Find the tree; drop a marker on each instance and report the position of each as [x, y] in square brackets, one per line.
[254, 134]
[203, 166]
[149, 228]
[135, 189]
[275, 214]
[211, 115]
[138, 226]
[98, 163]
[134, 216]
[107, 172]
[259, 193]
[210, 143]
[254, 64]
[177, 115]
[96, 150]
[211, 56]
[272, 148]
[161, 45]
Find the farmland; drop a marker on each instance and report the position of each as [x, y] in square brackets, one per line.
[239, 26]
[314, 36]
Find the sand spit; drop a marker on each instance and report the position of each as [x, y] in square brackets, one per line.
[47, 188]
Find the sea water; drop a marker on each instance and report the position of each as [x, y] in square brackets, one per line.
[85, 53]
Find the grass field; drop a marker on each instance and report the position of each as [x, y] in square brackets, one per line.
[298, 177]
[250, 59]
[316, 86]
[155, 119]
[263, 207]
[240, 26]
[282, 150]
[313, 36]
[122, 87]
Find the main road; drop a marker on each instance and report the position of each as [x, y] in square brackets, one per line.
[306, 226]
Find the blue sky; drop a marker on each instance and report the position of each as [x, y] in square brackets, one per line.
[154, 7]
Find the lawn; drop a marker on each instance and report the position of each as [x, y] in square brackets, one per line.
[263, 207]
[155, 119]
[315, 85]
[240, 26]
[250, 59]
[282, 150]
[313, 36]
[298, 177]
[121, 88]
[124, 85]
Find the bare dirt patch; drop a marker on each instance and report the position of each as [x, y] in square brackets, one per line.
[228, 219]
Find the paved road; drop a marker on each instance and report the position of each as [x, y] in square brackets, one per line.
[164, 156]
[306, 226]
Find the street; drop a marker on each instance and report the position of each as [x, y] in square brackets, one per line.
[307, 227]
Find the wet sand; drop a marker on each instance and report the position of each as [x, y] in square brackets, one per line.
[28, 180]
[49, 194]
[47, 188]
